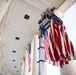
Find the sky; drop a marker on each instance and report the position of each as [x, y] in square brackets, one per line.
[69, 21]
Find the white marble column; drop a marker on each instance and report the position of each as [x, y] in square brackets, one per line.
[35, 56]
[69, 69]
[22, 69]
[26, 63]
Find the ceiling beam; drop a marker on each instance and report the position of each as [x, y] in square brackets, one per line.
[64, 6]
[40, 5]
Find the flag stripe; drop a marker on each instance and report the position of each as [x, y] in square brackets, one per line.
[59, 47]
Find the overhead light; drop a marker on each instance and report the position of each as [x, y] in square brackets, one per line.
[17, 71]
[15, 66]
[26, 16]
[14, 51]
[13, 60]
[17, 38]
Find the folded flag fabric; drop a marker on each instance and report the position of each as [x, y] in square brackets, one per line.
[58, 47]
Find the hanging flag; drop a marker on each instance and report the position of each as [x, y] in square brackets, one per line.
[58, 46]
[29, 57]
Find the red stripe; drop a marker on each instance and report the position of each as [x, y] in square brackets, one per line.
[58, 37]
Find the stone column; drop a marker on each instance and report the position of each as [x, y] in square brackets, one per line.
[26, 63]
[69, 69]
[35, 56]
[22, 69]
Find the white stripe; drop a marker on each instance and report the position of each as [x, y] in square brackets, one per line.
[62, 42]
[55, 44]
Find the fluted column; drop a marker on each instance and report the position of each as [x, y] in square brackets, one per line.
[26, 63]
[35, 56]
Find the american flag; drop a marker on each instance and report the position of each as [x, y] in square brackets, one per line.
[29, 57]
[59, 48]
